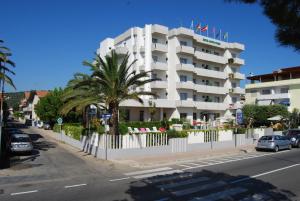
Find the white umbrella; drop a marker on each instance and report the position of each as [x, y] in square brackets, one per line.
[275, 118]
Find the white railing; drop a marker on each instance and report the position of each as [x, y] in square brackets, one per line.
[209, 135]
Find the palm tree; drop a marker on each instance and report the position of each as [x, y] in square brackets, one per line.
[110, 83]
[4, 60]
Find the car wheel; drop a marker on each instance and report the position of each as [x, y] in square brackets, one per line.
[257, 149]
[290, 147]
[276, 149]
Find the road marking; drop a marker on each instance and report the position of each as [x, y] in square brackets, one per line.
[170, 177]
[198, 188]
[24, 192]
[120, 179]
[182, 165]
[157, 174]
[195, 164]
[221, 195]
[76, 185]
[183, 183]
[264, 173]
[148, 171]
[233, 160]
[163, 199]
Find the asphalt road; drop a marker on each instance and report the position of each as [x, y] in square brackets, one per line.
[58, 172]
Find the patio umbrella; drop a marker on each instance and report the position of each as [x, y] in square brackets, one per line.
[276, 118]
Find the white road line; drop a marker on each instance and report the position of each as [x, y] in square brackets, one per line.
[25, 192]
[264, 173]
[157, 174]
[182, 165]
[193, 164]
[198, 188]
[171, 177]
[221, 195]
[233, 160]
[183, 183]
[148, 171]
[76, 185]
[120, 179]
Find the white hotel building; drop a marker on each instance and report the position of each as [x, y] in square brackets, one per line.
[199, 77]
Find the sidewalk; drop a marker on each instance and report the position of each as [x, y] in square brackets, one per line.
[174, 158]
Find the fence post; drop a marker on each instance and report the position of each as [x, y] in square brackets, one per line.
[211, 140]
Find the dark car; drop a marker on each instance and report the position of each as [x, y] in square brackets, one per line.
[294, 136]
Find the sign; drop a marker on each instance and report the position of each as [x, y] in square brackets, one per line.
[106, 116]
[239, 116]
[59, 121]
[211, 41]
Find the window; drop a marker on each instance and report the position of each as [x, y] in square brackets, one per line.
[234, 99]
[183, 115]
[194, 81]
[142, 115]
[183, 78]
[183, 43]
[183, 60]
[253, 91]
[217, 68]
[266, 91]
[155, 58]
[234, 85]
[154, 76]
[127, 115]
[154, 40]
[216, 53]
[284, 90]
[194, 116]
[233, 70]
[194, 97]
[217, 99]
[233, 55]
[217, 84]
[183, 96]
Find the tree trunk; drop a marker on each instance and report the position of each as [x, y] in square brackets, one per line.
[114, 122]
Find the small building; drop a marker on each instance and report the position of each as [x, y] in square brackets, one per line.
[279, 87]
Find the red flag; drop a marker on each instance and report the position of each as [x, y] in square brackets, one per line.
[205, 28]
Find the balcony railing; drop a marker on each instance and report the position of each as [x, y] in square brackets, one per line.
[210, 73]
[185, 49]
[159, 66]
[238, 90]
[273, 96]
[185, 85]
[121, 50]
[159, 84]
[159, 47]
[185, 67]
[210, 105]
[210, 89]
[210, 57]
[185, 103]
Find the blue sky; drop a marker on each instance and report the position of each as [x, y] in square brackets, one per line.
[50, 38]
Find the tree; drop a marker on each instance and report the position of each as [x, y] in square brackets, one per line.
[284, 14]
[294, 118]
[47, 109]
[111, 82]
[152, 109]
[5, 53]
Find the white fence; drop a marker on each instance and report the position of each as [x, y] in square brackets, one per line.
[209, 135]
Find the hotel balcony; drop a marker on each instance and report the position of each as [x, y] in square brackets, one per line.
[210, 105]
[185, 67]
[121, 50]
[234, 106]
[159, 103]
[211, 57]
[159, 47]
[210, 89]
[237, 90]
[185, 103]
[159, 66]
[185, 49]
[159, 29]
[159, 84]
[236, 61]
[185, 85]
[273, 96]
[210, 73]
[239, 76]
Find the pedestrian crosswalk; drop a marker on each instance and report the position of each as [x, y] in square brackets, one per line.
[220, 160]
[177, 183]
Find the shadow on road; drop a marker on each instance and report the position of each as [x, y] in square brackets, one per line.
[206, 185]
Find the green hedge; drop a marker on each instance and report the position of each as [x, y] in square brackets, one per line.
[74, 131]
[142, 124]
[176, 134]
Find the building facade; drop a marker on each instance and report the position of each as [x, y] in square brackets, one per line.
[198, 77]
[280, 87]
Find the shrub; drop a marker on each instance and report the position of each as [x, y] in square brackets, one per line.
[56, 128]
[239, 131]
[123, 128]
[74, 130]
[176, 134]
[176, 121]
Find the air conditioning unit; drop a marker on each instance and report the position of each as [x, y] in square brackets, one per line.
[231, 90]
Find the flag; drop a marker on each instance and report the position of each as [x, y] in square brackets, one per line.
[192, 25]
[214, 32]
[225, 36]
[205, 28]
[198, 27]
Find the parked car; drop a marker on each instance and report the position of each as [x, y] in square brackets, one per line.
[47, 126]
[273, 142]
[20, 143]
[294, 136]
[39, 124]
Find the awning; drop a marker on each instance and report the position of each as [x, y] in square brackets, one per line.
[276, 118]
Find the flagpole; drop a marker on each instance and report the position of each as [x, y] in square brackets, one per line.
[227, 36]
[207, 31]
[220, 34]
